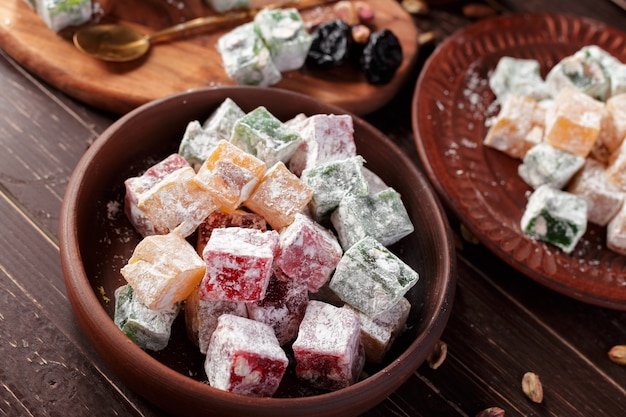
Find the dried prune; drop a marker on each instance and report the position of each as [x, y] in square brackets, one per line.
[381, 57]
[331, 44]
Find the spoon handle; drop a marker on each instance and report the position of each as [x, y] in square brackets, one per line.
[232, 17]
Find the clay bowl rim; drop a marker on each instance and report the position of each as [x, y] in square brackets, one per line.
[134, 366]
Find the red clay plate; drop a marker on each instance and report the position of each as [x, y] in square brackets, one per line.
[451, 102]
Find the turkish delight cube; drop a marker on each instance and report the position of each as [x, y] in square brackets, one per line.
[199, 140]
[332, 181]
[556, 217]
[285, 35]
[279, 196]
[136, 186]
[147, 328]
[59, 14]
[381, 215]
[219, 219]
[616, 232]
[282, 308]
[261, 134]
[603, 202]
[616, 169]
[230, 175]
[616, 107]
[246, 59]
[545, 164]
[374, 182]
[201, 317]
[177, 203]
[325, 137]
[517, 76]
[163, 270]
[613, 67]
[574, 123]
[238, 264]
[244, 357]
[581, 72]
[518, 126]
[371, 278]
[222, 6]
[328, 350]
[308, 252]
[379, 333]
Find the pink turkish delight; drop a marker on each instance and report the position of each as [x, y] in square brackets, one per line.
[328, 350]
[239, 264]
[308, 252]
[244, 357]
[201, 317]
[136, 186]
[325, 137]
[219, 219]
[282, 308]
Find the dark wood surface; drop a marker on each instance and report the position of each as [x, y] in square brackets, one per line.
[502, 324]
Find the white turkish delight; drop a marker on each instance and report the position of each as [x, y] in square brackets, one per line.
[582, 72]
[556, 217]
[147, 328]
[603, 202]
[332, 181]
[59, 14]
[285, 36]
[245, 57]
[200, 139]
[381, 215]
[545, 164]
[263, 135]
[371, 278]
[517, 76]
[616, 232]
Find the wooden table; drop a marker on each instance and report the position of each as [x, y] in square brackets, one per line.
[502, 324]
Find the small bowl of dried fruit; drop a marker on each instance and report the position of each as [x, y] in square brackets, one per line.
[250, 251]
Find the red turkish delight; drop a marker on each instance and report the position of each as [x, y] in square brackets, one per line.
[219, 219]
[328, 350]
[308, 252]
[136, 186]
[239, 264]
[282, 308]
[244, 357]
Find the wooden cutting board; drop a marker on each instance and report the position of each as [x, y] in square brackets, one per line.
[187, 63]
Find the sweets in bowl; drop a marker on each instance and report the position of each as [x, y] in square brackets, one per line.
[176, 372]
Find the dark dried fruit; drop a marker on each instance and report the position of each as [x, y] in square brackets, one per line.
[381, 57]
[331, 45]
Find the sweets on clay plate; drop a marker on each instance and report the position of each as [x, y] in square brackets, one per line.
[569, 131]
[260, 252]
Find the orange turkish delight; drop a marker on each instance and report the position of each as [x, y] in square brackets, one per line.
[177, 202]
[518, 126]
[574, 123]
[230, 175]
[163, 270]
[279, 196]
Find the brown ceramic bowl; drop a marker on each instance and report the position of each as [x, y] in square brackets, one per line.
[96, 241]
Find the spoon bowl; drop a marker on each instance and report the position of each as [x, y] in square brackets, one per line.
[111, 42]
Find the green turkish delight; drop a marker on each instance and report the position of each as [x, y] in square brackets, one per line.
[285, 36]
[332, 181]
[582, 72]
[147, 328]
[381, 215]
[517, 76]
[245, 57]
[263, 135]
[545, 164]
[200, 139]
[613, 67]
[370, 278]
[59, 14]
[556, 217]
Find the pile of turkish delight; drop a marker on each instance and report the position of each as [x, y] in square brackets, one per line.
[241, 227]
[568, 129]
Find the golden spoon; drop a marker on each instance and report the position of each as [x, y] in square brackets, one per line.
[119, 43]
